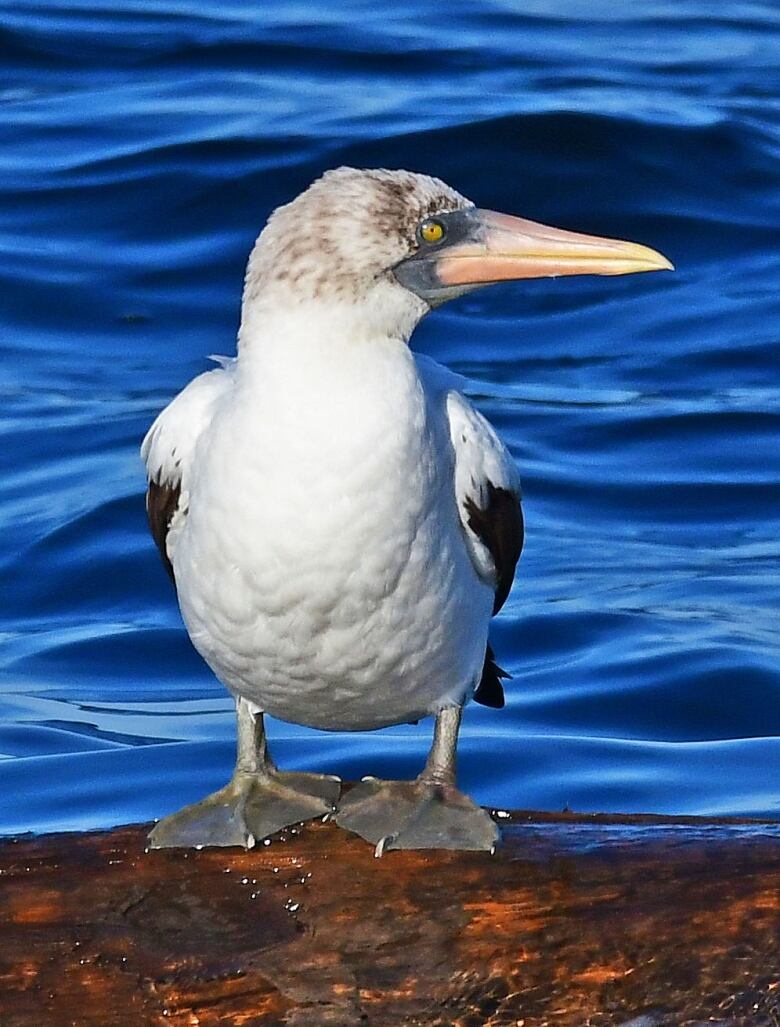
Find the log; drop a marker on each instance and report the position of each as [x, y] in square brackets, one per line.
[577, 920]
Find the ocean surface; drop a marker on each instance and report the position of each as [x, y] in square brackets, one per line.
[143, 144]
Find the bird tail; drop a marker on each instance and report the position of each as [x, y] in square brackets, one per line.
[490, 691]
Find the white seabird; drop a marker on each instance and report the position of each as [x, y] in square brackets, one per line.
[339, 522]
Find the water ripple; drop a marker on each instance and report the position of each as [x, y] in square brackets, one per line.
[144, 145]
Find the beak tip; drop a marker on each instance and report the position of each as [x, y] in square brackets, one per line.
[652, 259]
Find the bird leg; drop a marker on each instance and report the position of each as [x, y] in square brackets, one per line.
[428, 813]
[257, 801]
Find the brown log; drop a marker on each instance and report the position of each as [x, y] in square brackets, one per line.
[577, 920]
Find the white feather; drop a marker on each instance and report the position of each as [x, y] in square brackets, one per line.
[323, 564]
[170, 446]
[480, 456]
[168, 449]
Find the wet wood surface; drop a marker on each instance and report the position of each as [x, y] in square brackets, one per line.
[576, 920]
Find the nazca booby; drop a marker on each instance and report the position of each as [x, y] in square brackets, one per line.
[339, 522]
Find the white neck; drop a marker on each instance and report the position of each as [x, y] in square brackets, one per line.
[280, 317]
[322, 353]
[322, 379]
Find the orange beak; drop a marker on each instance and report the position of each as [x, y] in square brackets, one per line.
[513, 248]
[481, 247]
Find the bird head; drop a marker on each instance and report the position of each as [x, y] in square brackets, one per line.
[394, 244]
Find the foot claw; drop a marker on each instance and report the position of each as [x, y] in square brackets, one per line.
[379, 851]
[416, 815]
[247, 810]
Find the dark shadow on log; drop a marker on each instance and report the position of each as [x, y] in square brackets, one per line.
[577, 920]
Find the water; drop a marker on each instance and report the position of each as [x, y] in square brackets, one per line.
[144, 143]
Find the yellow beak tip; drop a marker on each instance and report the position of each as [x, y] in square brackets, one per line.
[651, 259]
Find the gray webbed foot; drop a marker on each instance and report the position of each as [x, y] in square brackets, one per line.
[419, 814]
[249, 808]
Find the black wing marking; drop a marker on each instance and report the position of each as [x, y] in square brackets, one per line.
[161, 504]
[499, 526]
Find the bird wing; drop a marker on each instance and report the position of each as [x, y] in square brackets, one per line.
[487, 489]
[168, 451]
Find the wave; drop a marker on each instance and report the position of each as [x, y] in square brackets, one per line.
[146, 143]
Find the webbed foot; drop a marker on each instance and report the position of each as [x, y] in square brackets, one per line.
[249, 808]
[419, 814]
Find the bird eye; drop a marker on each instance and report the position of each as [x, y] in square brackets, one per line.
[432, 230]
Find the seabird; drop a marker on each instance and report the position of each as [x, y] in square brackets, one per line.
[339, 522]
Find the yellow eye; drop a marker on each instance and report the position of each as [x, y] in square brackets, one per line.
[432, 231]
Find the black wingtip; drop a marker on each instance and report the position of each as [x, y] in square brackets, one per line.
[161, 503]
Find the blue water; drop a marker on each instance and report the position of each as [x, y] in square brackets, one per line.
[143, 145]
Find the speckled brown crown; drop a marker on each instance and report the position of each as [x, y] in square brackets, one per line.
[348, 228]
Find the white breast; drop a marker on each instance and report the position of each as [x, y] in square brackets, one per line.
[322, 570]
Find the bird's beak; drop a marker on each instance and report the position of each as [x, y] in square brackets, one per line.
[511, 248]
[482, 247]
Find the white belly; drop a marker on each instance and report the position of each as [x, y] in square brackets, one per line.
[321, 569]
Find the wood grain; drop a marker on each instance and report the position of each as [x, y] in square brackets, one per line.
[575, 921]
